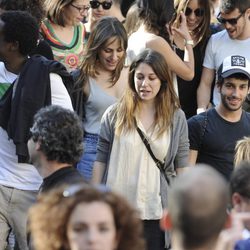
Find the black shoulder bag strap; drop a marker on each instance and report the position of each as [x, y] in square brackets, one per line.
[158, 163]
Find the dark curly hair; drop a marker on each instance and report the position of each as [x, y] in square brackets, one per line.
[156, 14]
[20, 27]
[59, 132]
[34, 7]
[55, 208]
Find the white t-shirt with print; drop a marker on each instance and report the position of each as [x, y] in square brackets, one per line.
[220, 46]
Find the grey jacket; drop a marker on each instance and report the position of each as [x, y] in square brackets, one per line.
[177, 155]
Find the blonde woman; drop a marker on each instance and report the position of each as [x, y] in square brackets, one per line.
[242, 151]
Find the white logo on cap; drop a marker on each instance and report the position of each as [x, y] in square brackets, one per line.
[239, 61]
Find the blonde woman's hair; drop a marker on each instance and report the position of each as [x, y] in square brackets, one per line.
[242, 151]
[166, 100]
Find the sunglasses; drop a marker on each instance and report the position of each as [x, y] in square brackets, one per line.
[81, 9]
[105, 5]
[75, 188]
[198, 12]
[231, 21]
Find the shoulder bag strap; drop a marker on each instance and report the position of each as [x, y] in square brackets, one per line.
[146, 143]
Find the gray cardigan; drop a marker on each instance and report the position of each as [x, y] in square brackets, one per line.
[177, 155]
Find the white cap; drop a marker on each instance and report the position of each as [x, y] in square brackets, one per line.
[233, 65]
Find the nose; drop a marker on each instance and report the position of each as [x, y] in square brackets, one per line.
[145, 82]
[92, 235]
[236, 92]
[114, 56]
[227, 25]
[192, 16]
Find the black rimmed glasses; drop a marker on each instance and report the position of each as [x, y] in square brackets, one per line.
[81, 9]
[231, 21]
[74, 189]
[105, 5]
[198, 12]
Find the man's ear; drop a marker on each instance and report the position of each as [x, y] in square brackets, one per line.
[247, 13]
[14, 46]
[165, 222]
[237, 200]
[228, 223]
[38, 145]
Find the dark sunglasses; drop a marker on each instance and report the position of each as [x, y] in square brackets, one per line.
[105, 5]
[231, 21]
[75, 188]
[198, 12]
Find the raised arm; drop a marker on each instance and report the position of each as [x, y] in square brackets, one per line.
[204, 89]
[184, 69]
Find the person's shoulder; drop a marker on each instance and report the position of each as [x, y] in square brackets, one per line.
[200, 118]
[246, 115]
[220, 35]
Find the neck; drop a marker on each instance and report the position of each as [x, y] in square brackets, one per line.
[103, 75]
[228, 115]
[47, 168]
[15, 64]
[147, 107]
[143, 27]
[116, 12]
[178, 245]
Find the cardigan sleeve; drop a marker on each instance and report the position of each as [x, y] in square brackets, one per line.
[181, 158]
[106, 135]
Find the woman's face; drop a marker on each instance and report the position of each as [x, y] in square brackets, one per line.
[111, 54]
[99, 9]
[91, 226]
[75, 12]
[194, 14]
[147, 83]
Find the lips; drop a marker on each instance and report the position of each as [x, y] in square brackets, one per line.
[234, 101]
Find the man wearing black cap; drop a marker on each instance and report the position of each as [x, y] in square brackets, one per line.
[213, 133]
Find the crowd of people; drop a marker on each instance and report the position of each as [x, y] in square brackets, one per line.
[124, 125]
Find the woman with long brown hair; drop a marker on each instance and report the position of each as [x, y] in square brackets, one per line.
[102, 80]
[197, 14]
[148, 114]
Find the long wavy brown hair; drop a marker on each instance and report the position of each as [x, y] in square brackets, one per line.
[166, 100]
[106, 28]
[202, 31]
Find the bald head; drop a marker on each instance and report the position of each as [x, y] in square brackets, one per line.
[197, 205]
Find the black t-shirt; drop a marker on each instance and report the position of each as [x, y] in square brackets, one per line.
[66, 175]
[187, 89]
[216, 146]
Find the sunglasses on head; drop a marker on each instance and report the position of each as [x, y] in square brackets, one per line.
[198, 12]
[105, 5]
[75, 188]
[231, 21]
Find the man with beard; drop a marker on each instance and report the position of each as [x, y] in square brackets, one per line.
[214, 133]
[234, 40]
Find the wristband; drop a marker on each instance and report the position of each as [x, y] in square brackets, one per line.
[200, 110]
[189, 42]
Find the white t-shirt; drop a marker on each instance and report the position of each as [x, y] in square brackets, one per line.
[25, 176]
[220, 46]
[6, 79]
